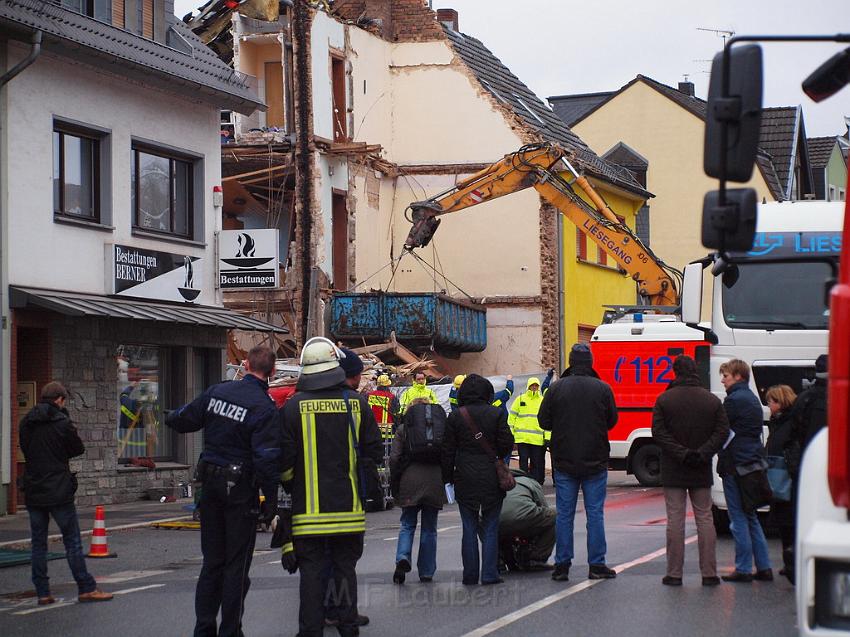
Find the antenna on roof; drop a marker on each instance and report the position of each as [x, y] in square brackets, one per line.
[723, 33]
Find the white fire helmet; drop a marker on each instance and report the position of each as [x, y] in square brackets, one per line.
[319, 355]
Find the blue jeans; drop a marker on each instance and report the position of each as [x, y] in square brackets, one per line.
[66, 520]
[750, 543]
[426, 561]
[566, 496]
[486, 522]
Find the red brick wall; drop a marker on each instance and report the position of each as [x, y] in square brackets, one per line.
[404, 20]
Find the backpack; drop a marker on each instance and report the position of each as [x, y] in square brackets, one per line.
[425, 427]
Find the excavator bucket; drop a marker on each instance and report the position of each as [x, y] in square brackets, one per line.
[425, 224]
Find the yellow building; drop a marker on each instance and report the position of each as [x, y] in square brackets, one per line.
[664, 126]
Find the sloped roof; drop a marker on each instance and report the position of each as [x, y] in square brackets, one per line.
[624, 155]
[772, 132]
[195, 70]
[509, 90]
[779, 137]
[820, 150]
[572, 108]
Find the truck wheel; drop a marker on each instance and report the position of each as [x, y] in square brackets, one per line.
[721, 520]
[646, 465]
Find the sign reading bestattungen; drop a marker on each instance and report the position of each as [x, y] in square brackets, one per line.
[152, 274]
[248, 259]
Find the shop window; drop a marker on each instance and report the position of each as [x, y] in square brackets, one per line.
[76, 175]
[97, 9]
[162, 192]
[141, 429]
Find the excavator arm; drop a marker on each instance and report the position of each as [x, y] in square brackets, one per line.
[537, 166]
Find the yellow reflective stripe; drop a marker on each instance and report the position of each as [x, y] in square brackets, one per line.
[131, 415]
[311, 462]
[287, 475]
[329, 529]
[352, 460]
[287, 548]
[331, 516]
[530, 431]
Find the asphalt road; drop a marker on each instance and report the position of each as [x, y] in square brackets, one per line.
[155, 573]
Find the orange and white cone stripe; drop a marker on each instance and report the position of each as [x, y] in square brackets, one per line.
[99, 546]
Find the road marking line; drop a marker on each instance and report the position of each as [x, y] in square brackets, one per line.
[39, 609]
[448, 528]
[126, 576]
[138, 588]
[510, 618]
[120, 527]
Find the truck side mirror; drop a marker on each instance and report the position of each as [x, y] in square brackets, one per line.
[739, 110]
[692, 294]
[732, 225]
[829, 78]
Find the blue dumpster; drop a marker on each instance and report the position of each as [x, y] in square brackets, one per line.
[419, 320]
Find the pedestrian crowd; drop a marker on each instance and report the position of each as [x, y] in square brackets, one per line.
[327, 443]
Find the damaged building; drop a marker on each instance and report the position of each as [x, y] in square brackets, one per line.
[372, 105]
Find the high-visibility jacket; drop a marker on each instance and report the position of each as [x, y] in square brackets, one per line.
[523, 417]
[385, 408]
[415, 392]
[320, 467]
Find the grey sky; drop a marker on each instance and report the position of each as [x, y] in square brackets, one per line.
[563, 46]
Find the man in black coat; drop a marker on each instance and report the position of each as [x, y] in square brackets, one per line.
[49, 440]
[579, 410]
[690, 425]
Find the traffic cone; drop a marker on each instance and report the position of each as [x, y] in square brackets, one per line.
[99, 547]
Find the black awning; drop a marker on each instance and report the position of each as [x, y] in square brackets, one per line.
[74, 304]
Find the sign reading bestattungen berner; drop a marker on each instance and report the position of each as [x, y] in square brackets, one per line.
[152, 274]
[248, 259]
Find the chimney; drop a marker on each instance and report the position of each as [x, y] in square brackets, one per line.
[687, 88]
[448, 18]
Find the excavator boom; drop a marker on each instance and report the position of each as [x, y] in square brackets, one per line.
[536, 166]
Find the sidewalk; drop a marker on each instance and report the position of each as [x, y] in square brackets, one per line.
[15, 529]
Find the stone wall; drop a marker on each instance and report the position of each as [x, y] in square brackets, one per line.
[83, 357]
[549, 220]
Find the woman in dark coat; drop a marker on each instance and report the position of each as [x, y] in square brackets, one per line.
[473, 472]
[780, 400]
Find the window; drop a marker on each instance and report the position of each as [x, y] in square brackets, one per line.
[141, 430]
[841, 194]
[97, 9]
[76, 175]
[162, 193]
[581, 245]
[831, 196]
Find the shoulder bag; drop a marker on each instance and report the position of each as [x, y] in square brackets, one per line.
[504, 475]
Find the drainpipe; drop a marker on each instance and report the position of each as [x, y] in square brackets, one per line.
[6, 466]
[20, 66]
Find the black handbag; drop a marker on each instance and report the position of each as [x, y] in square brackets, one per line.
[755, 489]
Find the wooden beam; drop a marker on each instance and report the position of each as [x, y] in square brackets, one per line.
[263, 171]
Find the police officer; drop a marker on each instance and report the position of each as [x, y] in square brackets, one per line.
[328, 430]
[242, 432]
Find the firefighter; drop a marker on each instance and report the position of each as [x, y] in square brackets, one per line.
[385, 407]
[418, 390]
[327, 430]
[242, 434]
[456, 383]
[529, 437]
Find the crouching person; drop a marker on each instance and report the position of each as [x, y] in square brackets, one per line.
[527, 518]
[415, 469]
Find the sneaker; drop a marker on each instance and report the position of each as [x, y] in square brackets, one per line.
[401, 567]
[600, 571]
[44, 601]
[561, 573]
[94, 596]
[737, 576]
[361, 620]
[711, 581]
[668, 580]
[534, 565]
[764, 576]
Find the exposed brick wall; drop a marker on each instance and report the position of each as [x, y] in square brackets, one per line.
[549, 218]
[403, 20]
